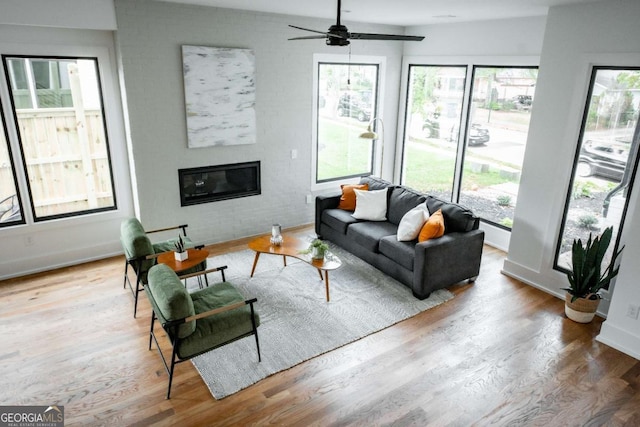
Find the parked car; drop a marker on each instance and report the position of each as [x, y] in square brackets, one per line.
[478, 135]
[522, 102]
[431, 126]
[602, 158]
[352, 105]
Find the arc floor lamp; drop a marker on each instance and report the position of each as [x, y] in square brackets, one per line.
[372, 135]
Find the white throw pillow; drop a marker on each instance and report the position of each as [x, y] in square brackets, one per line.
[412, 222]
[371, 205]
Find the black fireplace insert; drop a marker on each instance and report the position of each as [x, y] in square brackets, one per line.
[221, 182]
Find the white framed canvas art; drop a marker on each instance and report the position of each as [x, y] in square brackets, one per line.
[219, 88]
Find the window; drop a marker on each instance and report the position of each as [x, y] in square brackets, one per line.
[483, 173]
[605, 161]
[59, 116]
[433, 115]
[499, 114]
[347, 97]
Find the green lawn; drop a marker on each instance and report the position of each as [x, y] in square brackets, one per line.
[431, 170]
[343, 153]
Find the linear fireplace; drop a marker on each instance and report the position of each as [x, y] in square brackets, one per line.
[221, 182]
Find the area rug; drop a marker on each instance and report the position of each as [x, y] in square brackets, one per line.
[297, 323]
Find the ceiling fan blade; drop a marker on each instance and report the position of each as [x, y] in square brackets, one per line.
[370, 36]
[306, 29]
[309, 37]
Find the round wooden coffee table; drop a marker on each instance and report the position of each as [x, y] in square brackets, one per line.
[292, 246]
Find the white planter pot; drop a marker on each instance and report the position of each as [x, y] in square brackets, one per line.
[181, 256]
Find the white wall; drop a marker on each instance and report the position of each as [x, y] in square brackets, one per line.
[513, 37]
[149, 38]
[576, 37]
[81, 14]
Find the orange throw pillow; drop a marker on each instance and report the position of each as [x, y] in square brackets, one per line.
[348, 199]
[433, 228]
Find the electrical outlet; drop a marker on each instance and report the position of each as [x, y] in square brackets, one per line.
[632, 311]
[309, 199]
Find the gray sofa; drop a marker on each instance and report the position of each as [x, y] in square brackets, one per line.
[422, 266]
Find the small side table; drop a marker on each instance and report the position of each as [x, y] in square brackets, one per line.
[196, 256]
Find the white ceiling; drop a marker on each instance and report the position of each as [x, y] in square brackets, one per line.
[396, 12]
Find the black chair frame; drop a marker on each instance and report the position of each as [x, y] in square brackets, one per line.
[136, 265]
[171, 328]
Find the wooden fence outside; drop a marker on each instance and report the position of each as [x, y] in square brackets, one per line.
[64, 175]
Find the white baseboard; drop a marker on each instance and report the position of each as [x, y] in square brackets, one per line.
[620, 340]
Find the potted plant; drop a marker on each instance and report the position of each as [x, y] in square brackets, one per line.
[317, 249]
[586, 278]
[181, 252]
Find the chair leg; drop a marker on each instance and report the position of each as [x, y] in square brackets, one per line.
[255, 332]
[153, 318]
[135, 302]
[126, 267]
[173, 365]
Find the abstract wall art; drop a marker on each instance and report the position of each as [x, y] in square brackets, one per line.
[219, 86]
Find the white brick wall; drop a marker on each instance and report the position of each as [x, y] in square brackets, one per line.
[149, 39]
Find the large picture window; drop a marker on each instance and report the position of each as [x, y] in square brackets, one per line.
[434, 112]
[483, 172]
[496, 138]
[347, 97]
[605, 161]
[59, 115]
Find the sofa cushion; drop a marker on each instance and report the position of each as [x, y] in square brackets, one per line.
[401, 252]
[171, 298]
[412, 222]
[134, 239]
[456, 217]
[338, 219]
[371, 205]
[401, 201]
[170, 245]
[375, 183]
[368, 234]
[433, 228]
[348, 197]
[220, 328]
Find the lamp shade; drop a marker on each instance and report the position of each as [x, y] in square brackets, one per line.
[369, 134]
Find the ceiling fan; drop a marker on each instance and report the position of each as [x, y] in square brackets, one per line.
[339, 35]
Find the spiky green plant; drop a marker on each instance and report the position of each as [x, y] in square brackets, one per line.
[586, 278]
[179, 244]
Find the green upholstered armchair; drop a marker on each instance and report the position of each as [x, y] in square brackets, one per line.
[200, 321]
[140, 253]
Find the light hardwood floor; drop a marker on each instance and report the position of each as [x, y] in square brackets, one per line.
[500, 353]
